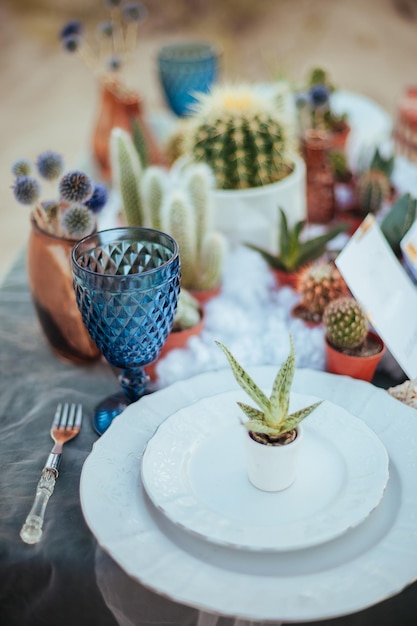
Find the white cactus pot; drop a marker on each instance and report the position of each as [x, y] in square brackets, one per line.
[252, 215]
[272, 468]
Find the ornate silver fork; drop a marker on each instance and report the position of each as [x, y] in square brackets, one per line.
[65, 426]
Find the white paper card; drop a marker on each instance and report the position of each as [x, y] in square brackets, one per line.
[381, 285]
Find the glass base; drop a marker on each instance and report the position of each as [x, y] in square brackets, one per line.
[107, 410]
[111, 407]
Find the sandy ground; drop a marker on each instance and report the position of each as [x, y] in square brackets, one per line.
[48, 99]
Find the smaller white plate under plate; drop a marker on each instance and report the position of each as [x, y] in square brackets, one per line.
[193, 470]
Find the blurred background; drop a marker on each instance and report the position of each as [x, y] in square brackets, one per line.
[49, 98]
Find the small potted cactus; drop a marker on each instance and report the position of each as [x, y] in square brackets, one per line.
[179, 203]
[56, 225]
[274, 435]
[188, 322]
[294, 251]
[351, 347]
[240, 133]
[318, 284]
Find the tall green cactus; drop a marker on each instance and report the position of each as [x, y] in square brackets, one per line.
[240, 136]
[373, 189]
[127, 175]
[182, 208]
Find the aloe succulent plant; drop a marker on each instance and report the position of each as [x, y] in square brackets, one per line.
[399, 220]
[293, 251]
[272, 421]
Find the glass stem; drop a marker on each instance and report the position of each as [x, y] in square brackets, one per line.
[133, 381]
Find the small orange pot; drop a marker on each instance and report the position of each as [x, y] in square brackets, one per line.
[204, 295]
[361, 367]
[285, 279]
[176, 339]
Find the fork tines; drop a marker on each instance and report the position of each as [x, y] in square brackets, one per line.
[67, 416]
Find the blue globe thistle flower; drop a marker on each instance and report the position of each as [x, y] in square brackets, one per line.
[135, 12]
[114, 63]
[50, 165]
[26, 190]
[98, 199]
[75, 187]
[105, 29]
[71, 43]
[71, 28]
[77, 221]
[21, 167]
[319, 95]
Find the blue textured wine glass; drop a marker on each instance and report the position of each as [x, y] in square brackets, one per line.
[185, 69]
[126, 282]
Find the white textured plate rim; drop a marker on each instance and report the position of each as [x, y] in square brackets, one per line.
[165, 473]
[124, 528]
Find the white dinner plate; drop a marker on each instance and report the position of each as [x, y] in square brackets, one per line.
[194, 471]
[361, 567]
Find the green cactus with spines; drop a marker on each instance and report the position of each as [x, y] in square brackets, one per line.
[154, 186]
[272, 422]
[240, 136]
[373, 189]
[127, 173]
[179, 220]
[345, 323]
[188, 313]
[185, 215]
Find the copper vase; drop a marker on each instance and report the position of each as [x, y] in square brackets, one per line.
[120, 108]
[320, 177]
[53, 296]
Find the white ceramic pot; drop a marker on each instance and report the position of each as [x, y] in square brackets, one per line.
[252, 215]
[272, 468]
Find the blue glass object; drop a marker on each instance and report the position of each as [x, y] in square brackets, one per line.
[126, 283]
[186, 69]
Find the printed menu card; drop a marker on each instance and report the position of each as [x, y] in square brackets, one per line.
[382, 286]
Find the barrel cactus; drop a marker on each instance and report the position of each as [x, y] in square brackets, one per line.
[319, 284]
[345, 323]
[240, 135]
[373, 189]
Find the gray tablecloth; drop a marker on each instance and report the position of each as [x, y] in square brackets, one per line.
[67, 579]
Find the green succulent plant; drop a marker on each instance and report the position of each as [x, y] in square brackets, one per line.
[184, 211]
[399, 220]
[272, 422]
[345, 323]
[240, 136]
[372, 189]
[188, 312]
[293, 251]
[127, 173]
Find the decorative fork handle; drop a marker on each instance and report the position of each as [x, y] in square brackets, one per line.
[32, 528]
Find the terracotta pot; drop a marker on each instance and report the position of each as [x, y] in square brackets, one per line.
[339, 138]
[53, 296]
[359, 367]
[120, 108]
[285, 279]
[272, 468]
[176, 339]
[205, 295]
